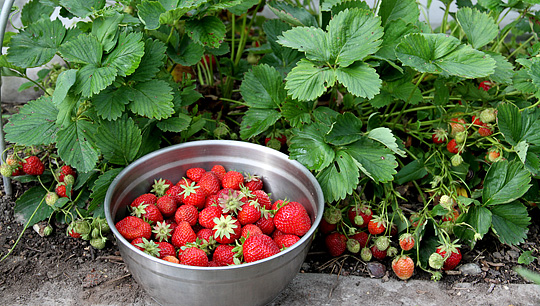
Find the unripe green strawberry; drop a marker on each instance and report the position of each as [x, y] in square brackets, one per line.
[493, 155]
[366, 254]
[6, 170]
[51, 198]
[353, 246]
[461, 137]
[69, 179]
[332, 215]
[382, 243]
[488, 115]
[101, 224]
[456, 160]
[436, 261]
[95, 233]
[446, 201]
[391, 251]
[48, 230]
[98, 243]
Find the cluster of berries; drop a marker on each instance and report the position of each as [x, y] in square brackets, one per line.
[15, 166]
[94, 230]
[212, 218]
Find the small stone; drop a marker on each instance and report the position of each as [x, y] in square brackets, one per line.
[470, 269]
[513, 254]
[376, 269]
[497, 255]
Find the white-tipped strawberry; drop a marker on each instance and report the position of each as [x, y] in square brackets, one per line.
[493, 155]
[488, 115]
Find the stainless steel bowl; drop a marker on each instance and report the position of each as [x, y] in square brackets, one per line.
[247, 284]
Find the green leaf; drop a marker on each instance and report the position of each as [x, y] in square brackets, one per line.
[521, 150]
[374, 160]
[281, 58]
[504, 71]
[243, 7]
[479, 218]
[25, 86]
[263, 87]
[111, 103]
[353, 35]
[526, 258]
[5, 64]
[105, 29]
[65, 80]
[175, 124]
[360, 80]
[406, 91]
[187, 53]
[30, 201]
[127, 54]
[151, 62]
[149, 13]
[518, 126]
[119, 140]
[393, 33]
[35, 10]
[505, 182]
[100, 187]
[66, 109]
[414, 170]
[152, 99]
[173, 15]
[92, 79]
[510, 222]
[307, 82]
[384, 98]
[479, 27]
[75, 146]
[82, 8]
[309, 147]
[339, 179]
[386, 137]
[393, 10]
[85, 49]
[297, 16]
[258, 120]
[207, 31]
[37, 44]
[346, 130]
[311, 40]
[440, 53]
[297, 112]
[34, 124]
[522, 81]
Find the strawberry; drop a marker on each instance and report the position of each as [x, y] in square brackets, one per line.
[451, 216]
[456, 160]
[211, 200]
[414, 218]
[226, 229]
[451, 254]
[98, 243]
[210, 183]
[249, 213]
[32, 165]
[65, 170]
[231, 200]
[6, 170]
[194, 257]
[286, 241]
[277, 233]
[132, 227]
[187, 213]
[146, 198]
[162, 231]
[360, 215]
[452, 147]
[206, 235]
[457, 125]
[253, 182]
[207, 215]
[61, 190]
[148, 246]
[353, 246]
[485, 85]
[149, 213]
[250, 229]
[439, 136]
[195, 174]
[376, 225]
[336, 243]
[326, 227]
[262, 197]
[161, 186]
[403, 267]
[382, 243]
[193, 195]
[366, 254]
[219, 170]
[184, 182]
[332, 214]
[488, 115]
[436, 261]
[266, 224]
[172, 259]
[79, 229]
[293, 219]
[259, 247]
[224, 255]
[232, 179]
[406, 241]
[51, 198]
[167, 206]
[476, 121]
[166, 249]
[183, 234]
[174, 192]
[137, 242]
[378, 254]
[493, 155]
[485, 131]
[362, 238]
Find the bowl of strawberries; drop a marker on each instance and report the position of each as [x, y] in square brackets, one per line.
[214, 221]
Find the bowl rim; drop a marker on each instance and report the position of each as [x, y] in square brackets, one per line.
[142, 159]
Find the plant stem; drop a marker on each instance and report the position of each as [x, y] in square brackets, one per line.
[410, 97]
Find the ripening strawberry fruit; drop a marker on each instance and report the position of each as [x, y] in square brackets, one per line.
[439, 136]
[259, 247]
[457, 125]
[485, 131]
[488, 115]
[132, 227]
[452, 147]
[224, 255]
[336, 243]
[493, 155]
[172, 259]
[403, 267]
[376, 225]
[406, 241]
[377, 254]
[65, 170]
[485, 85]
[451, 261]
[362, 238]
[194, 257]
[32, 165]
[232, 180]
[293, 219]
[360, 215]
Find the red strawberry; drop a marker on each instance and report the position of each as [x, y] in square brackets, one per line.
[79, 229]
[457, 125]
[193, 195]
[250, 229]
[293, 219]
[174, 192]
[195, 174]
[166, 249]
[249, 213]
[286, 241]
[485, 131]
[231, 200]
[362, 238]
[187, 213]
[210, 183]
[406, 241]
[167, 206]
[137, 242]
[32, 165]
[205, 235]
[453, 259]
[452, 147]
[149, 213]
[172, 259]
[211, 200]
[360, 215]
[326, 227]
[277, 233]
[439, 136]
[207, 216]
[258, 247]
[262, 197]
[232, 179]
[194, 257]
[226, 229]
[376, 225]
[183, 234]
[485, 85]
[266, 224]
[253, 182]
[66, 170]
[184, 182]
[61, 190]
[132, 227]
[378, 254]
[147, 198]
[224, 255]
[336, 243]
[488, 115]
[403, 266]
[219, 170]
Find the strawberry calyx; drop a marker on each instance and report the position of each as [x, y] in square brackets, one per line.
[439, 136]
[162, 231]
[224, 226]
[189, 189]
[160, 186]
[149, 247]
[231, 201]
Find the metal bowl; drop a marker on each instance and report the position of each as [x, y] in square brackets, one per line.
[254, 283]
